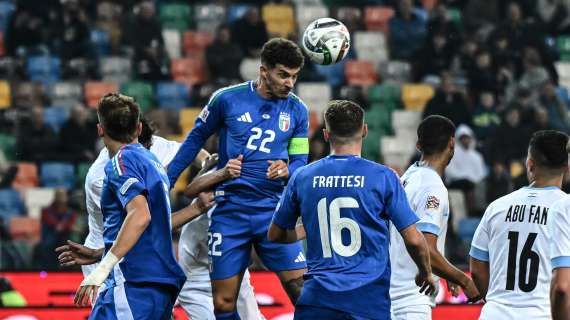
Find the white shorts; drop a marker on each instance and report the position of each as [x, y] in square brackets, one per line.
[419, 312]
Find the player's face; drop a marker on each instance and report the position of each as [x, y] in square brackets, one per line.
[280, 80]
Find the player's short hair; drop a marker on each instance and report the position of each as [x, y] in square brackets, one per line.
[344, 120]
[548, 149]
[119, 115]
[281, 51]
[434, 133]
[148, 130]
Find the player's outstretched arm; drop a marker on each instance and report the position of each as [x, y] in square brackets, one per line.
[199, 206]
[75, 254]
[418, 250]
[560, 294]
[137, 219]
[441, 267]
[205, 182]
[480, 274]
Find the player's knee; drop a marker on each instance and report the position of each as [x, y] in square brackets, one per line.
[224, 303]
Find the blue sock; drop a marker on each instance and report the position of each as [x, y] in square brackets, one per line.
[228, 316]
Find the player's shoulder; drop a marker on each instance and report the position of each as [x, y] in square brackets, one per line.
[229, 92]
[561, 205]
[298, 102]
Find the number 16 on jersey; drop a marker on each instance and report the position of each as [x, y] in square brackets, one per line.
[335, 227]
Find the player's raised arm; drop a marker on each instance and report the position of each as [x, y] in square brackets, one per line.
[204, 182]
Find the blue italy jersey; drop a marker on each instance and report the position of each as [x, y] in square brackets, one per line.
[345, 203]
[131, 172]
[260, 129]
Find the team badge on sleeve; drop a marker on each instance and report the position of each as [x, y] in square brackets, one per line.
[127, 184]
[432, 202]
[284, 121]
[204, 114]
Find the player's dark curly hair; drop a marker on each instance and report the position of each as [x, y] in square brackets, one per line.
[119, 115]
[148, 130]
[434, 133]
[281, 51]
[548, 149]
[344, 120]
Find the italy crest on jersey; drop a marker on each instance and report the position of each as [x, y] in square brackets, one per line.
[284, 121]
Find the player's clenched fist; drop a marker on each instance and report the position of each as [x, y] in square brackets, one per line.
[233, 167]
[277, 169]
[426, 283]
[471, 291]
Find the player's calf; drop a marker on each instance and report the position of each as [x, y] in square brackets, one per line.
[292, 282]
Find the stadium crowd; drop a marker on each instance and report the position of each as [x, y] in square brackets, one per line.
[499, 70]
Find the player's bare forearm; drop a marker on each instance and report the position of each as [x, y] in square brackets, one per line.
[204, 183]
[137, 219]
[202, 155]
[417, 248]
[199, 206]
[480, 274]
[280, 235]
[560, 294]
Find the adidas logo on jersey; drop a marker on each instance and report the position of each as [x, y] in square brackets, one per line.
[245, 118]
[300, 258]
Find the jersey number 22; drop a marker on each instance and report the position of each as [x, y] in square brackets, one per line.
[336, 225]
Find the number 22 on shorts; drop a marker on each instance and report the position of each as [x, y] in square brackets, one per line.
[214, 240]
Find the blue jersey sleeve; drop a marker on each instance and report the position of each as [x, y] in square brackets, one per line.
[299, 143]
[208, 122]
[127, 179]
[397, 206]
[287, 211]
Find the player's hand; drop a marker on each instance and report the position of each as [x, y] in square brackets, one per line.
[210, 162]
[453, 288]
[85, 295]
[471, 291]
[205, 201]
[426, 284]
[73, 254]
[277, 170]
[233, 167]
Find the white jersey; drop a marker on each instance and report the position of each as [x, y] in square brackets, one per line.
[559, 226]
[428, 198]
[513, 236]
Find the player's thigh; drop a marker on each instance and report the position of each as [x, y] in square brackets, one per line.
[229, 243]
[419, 312]
[305, 312]
[147, 301]
[196, 300]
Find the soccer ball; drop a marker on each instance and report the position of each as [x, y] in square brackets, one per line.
[326, 41]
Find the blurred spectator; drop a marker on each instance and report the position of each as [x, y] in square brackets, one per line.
[440, 23]
[525, 102]
[498, 182]
[448, 102]
[481, 14]
[467, 167]
[554, 15]
[250, 32]
[482, 77]
[435, 57]
[71, 34]
[541, 120]
[485, 116]
[224, 57]
[318, 148]
[509, 141]
[57, 224]
[407, 31]
[465, 59]
[24, 34]
[144, 34]
[556, 108]
[36, 141]
[535, 75]
[78, 136]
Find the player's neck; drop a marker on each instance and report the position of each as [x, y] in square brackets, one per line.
[542, 182]
[346, 149]
[437, 163]
[114, 146]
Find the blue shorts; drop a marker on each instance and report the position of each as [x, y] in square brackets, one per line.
[128, 301]
[304, 312]
[234, 230]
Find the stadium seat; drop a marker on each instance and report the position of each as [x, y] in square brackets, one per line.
[429, 4]
[45, 69]
[370, 46]
[396, 71]
[55, 117]
[115, 69]
[379, 118]
[249, 68]
[563, 69]
[236, 11]
[25, 228]
[209, 17]
[6, 10]
[466, 228]
[563, 44]
[175, 16]
[279, 19]
[141, 91]
[334, 74]
[36, 199]
[27, 94]
[27, 176]
[101, 41]
[307, 14]
[416, 96]
[8, 146]
[385, 94]
[196, 41]
[94, 90]
[190, 70]
[454, 15]
[315, 95]
[82, 170]
[377, 18]
[57, 175]
[11, 205]
[65, 94]
[172, 43]
[371, 144]
[5, 97]
[360, 73]
[187, 118]
[348, 14]
[9, 68]
[172, 95]
[404, 121]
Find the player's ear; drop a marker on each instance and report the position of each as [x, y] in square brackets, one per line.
[100, 131]
[326, 134]
[364, 130]
[139, 129]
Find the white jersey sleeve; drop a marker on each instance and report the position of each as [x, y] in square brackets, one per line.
[164, 150]
[432, 209]
[480, 243]
[560, 228]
